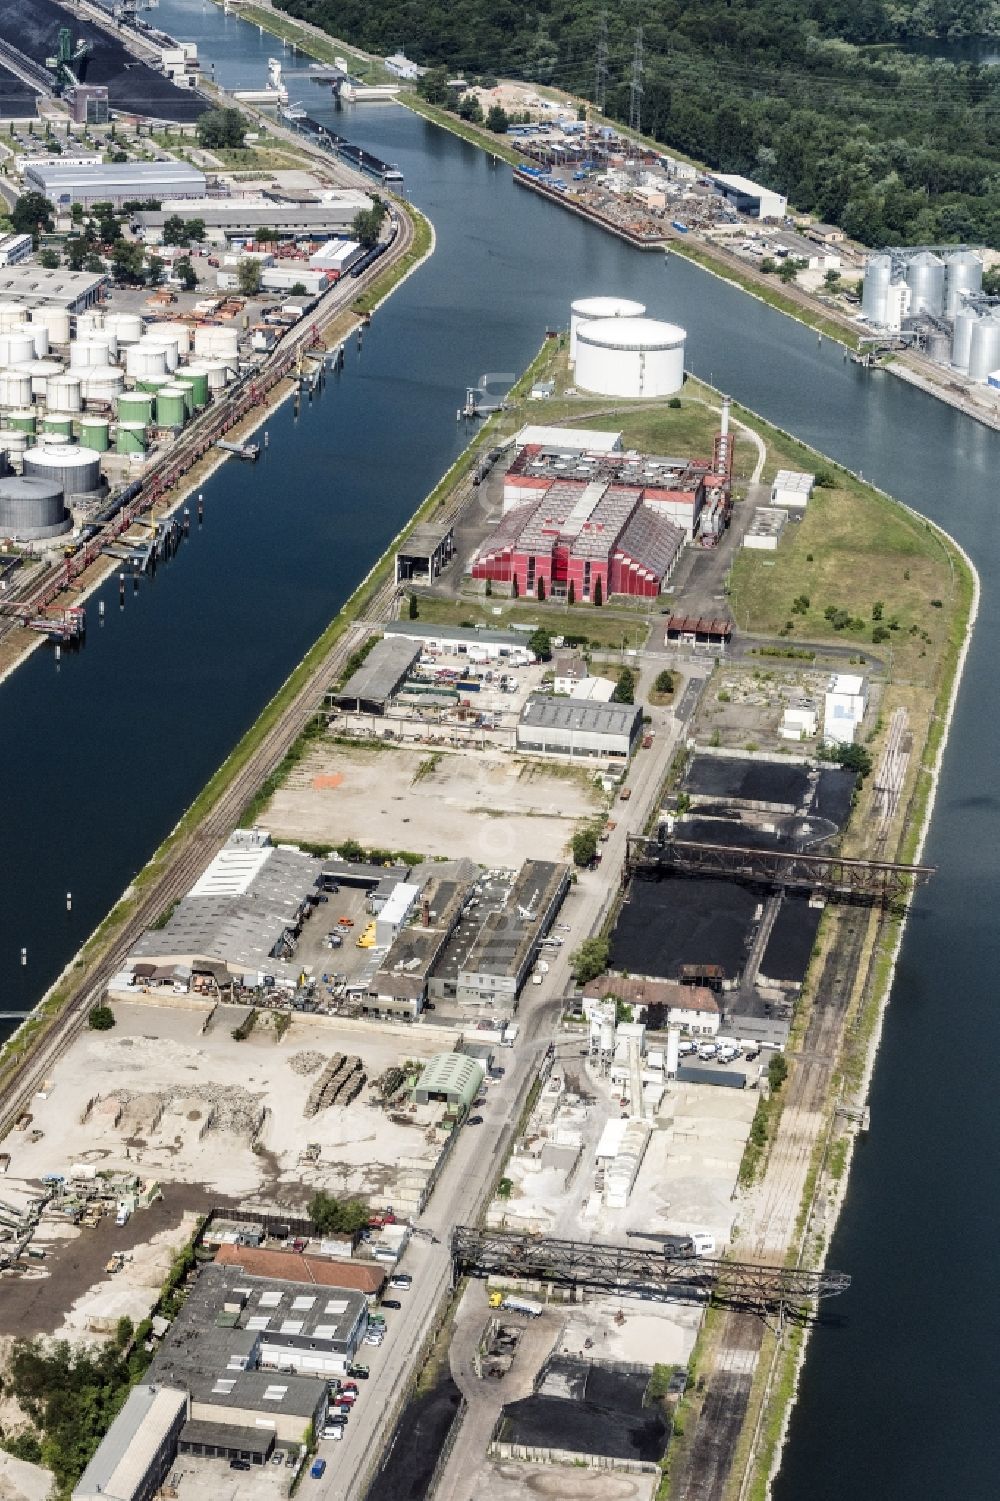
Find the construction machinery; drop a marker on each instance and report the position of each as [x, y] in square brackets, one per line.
[67, 66]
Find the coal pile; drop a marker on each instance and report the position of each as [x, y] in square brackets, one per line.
[670, 921]
[17, 101]
[736, 781]
[588, 1409]
[790, 945]
[133, 86]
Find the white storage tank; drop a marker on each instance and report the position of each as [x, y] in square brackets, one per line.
[64, 392]
[127, 327]
[878, 275]
[217, 372]
[984, 348]
[40, 339]
[41, 372]
[179, 331]
[13, 442]
[12, 314]
[143, 360]
[961, 340]
[15, 388]
[924, 273]
[167, 343]
[963, 277]
[588, 309]
[84, 352]
[216, 341]
[631, 357]
[55, 319]
[102, 382]
[90, 322]
[16, 348]
[76, 470]
[109, 339]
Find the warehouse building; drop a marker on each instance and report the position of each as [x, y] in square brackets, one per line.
[844, 708]
[494, 646]
[399, 986]
[567, 727]
[364, 1277]
[15, 248]
[241, 218]
[791, 489]
[749, 197]
[114, 182]
[593, 540]
[241, 919]
[499, 961]
[427, 550]
[692, 1008]
[135, 1455]
[385, 669]
[451, 1079]
[34, 286]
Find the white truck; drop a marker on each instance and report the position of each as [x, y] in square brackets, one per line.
[522, 1305]
[510, 1034]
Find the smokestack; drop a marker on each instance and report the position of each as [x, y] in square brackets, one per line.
[725, 416]
[425, 912]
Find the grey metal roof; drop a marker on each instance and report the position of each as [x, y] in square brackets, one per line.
[541, 712]
[147, 179]
[236, 215]
[129, 1448]
[227, 1436]
[381, 673]
[454, 1074]
[506, 937]
[425, 538]
[416, 630]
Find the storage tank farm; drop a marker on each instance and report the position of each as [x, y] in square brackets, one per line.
[630, 357]
[589, 309]
[85, 396]
[948, 318]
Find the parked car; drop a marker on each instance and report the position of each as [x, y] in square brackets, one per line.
[474, 1120]
[403, 1279]
[239, 1464]
[391, 1303]
[318, 1469]
[360, 1371]
[277, 1458]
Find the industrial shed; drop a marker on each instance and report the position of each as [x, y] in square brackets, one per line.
[451, 1078]
[380, 676]
[571, 727]
[138, 1449]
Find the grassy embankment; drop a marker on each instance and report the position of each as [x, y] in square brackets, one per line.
[322, 49]
[15, 1049]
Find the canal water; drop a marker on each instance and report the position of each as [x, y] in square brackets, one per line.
[99, 757]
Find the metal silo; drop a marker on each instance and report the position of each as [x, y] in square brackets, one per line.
[984, 352]
[77, 471]
[961, 340]
[963, 277]
[924, 274]
[32, 508]
[878, 274]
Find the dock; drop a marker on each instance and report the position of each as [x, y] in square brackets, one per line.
[248, 451]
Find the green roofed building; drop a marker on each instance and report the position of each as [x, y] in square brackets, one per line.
[451, 1078]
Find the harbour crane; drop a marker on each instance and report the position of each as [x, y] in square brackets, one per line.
[66, 66]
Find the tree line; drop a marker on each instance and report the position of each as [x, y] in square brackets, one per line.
[815, 98]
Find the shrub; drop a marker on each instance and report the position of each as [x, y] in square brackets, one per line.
[664, 681]
[101, 1019]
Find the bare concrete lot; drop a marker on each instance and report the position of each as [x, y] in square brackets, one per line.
[158, 1096]
[487, 806]
[507, 1480]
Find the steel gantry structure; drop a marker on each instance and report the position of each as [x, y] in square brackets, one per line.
[650, 1272]
[872, 882]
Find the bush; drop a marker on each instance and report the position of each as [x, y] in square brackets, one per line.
[664, 681]
[624, 689]
[584, 846]
[674, 403]
[222, 127]
[777, 1071]
[540, 642]
[590, 959]
[344, 1216]
[101, 1019]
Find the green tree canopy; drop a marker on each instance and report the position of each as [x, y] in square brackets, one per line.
[584, 846]
[222, 128]
[624, 689]
[341, 1216]
[590, 959]
[248, 275]
[32, 214]
[540, 642]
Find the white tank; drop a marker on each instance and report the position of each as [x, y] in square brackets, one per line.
[607, 1037]
[179, 331]
[85, 352]
[101, 382]
[961, 340]
[878, 275]
[64, 393]
[984, 349]
[13, 441]
[127, 327]
[216, 341]
[12, 314]
[963, 277]
[90, 322]
[109, 339]
[41, 372]
[166, 342]
[217, 372]
[924, 274]
[55, 319]
[588, 309]
[40, 338]
[15, 388]
[143, 360]
[630, 357]
[16, 348]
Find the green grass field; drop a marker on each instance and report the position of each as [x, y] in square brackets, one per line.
[603, 627]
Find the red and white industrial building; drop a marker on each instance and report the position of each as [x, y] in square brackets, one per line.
[573, 518]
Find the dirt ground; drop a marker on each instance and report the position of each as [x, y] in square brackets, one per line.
[20, 1481]
[189, 1103]
[744, 706]
[508, 1480]
[488, 807]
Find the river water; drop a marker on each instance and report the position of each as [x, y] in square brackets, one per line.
[99, 757]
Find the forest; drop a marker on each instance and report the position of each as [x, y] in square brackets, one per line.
[818, 98]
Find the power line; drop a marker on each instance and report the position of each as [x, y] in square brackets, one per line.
[635, 86]
[601, 66]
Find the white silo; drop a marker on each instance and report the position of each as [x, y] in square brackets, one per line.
[897, 305]
[984, 349]
[101, 382]
[12, 315]
[589, 309]
[963, 277]
[631, 357]
[64, 393]
[216, 341]
[924, 274]
[127, 327]
[878, 275]
[173, 330]
[961, 340]
[40, 338]
[55, 319]
[89, 322]
[166, 342]
[86, 352]
[143, 360]
[16, 348]
[15, 388]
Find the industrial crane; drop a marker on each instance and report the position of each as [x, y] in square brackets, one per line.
[66, 66]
